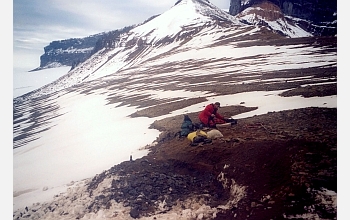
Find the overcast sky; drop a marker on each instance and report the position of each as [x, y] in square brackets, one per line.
[36, 23]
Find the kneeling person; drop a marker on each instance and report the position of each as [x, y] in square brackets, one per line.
[210, 116]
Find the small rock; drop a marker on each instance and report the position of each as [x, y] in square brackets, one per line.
[134, 213]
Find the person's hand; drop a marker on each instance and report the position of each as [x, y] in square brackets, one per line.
[212, 115]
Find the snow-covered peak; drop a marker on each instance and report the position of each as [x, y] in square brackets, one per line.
[188, 25]
[184, 13]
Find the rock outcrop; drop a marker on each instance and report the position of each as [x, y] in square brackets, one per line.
[67, 52]
[73, 51]
[318, 17]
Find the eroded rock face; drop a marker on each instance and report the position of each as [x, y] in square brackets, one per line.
[68, 52]
[314, 10]
[71, 52]
[319, 16]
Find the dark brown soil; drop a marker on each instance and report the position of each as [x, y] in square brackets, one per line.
[280, 157]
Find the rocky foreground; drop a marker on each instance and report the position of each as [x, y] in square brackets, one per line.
[280, 165]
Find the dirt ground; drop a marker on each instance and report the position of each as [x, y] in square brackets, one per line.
[282, 158]
[280, 155]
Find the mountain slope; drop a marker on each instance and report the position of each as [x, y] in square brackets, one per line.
[263, 168]
[294, 19]
[166, 35]
[237, 54]
[109, 102]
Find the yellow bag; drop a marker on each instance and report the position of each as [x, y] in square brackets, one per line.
[197, 133]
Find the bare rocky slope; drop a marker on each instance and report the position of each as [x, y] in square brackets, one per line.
[281, 157]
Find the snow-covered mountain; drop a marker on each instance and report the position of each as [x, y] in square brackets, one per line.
[170, 33]
[194, 51]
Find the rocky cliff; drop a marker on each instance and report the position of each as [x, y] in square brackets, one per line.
[67, 52]
[71, 52]
[318, 17]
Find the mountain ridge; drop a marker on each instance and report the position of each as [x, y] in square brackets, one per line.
[132, 45]
[57, 56]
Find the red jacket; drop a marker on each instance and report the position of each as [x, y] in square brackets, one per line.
[205, 116]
